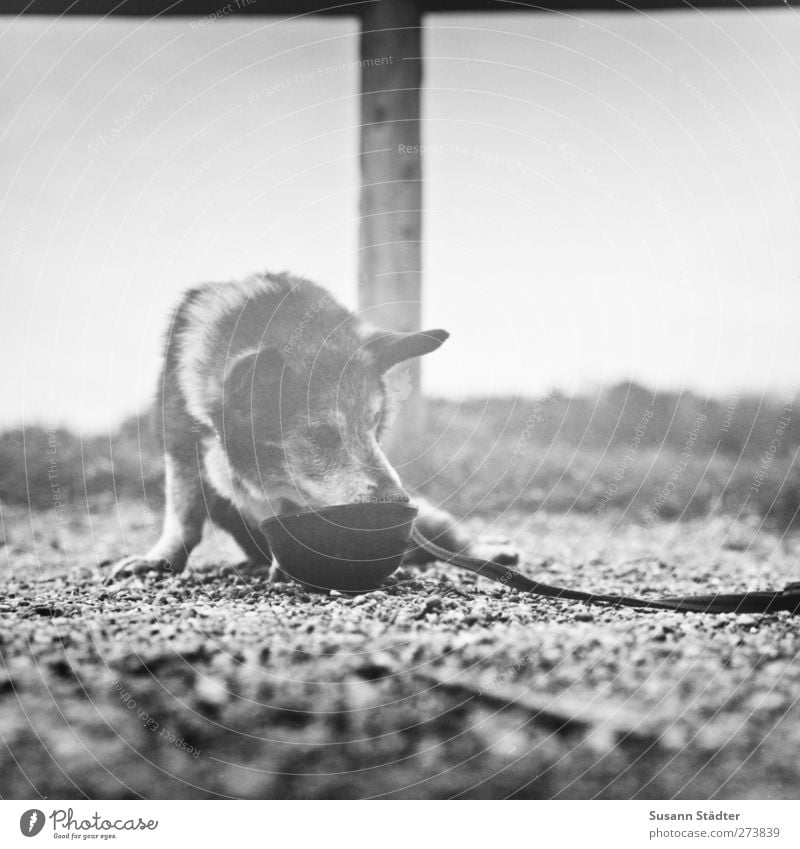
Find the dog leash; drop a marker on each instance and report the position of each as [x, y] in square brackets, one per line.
[761, 601]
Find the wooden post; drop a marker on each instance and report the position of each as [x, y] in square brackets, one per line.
[390, 235]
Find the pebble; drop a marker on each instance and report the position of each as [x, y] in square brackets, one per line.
[434, 602]
[211, 691]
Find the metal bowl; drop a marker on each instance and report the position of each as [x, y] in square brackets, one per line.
[349, 547]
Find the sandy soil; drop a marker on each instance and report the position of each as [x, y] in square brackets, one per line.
[219, 684]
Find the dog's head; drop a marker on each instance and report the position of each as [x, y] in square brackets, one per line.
[305, 426]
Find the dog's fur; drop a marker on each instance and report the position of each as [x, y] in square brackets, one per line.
[272, 396]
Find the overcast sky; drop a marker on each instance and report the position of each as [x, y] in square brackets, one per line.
[607, 196]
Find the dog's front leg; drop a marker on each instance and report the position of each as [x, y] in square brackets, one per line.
[184, 514]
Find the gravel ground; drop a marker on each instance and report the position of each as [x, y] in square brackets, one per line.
[220, 684]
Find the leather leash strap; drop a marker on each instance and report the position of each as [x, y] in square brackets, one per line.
[766, 601]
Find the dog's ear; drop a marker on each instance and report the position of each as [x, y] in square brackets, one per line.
[253, 392]
[390, 348]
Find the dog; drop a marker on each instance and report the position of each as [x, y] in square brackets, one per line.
[273, 398]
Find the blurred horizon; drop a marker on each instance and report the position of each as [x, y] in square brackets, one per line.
[626, 451]
[608, 197]
[769, 399]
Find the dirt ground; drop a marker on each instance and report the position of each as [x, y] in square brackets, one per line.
[219, 684]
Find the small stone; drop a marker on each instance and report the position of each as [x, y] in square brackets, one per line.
[433, 603]
[211, 691]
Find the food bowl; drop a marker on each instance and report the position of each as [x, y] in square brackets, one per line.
[349, 547]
